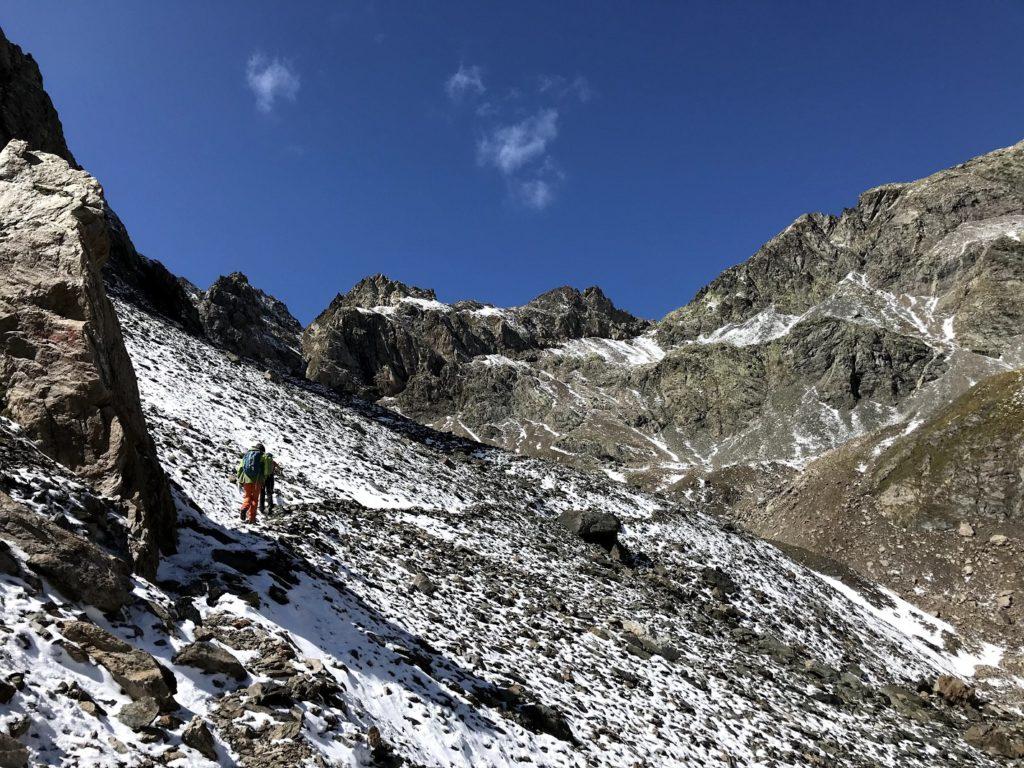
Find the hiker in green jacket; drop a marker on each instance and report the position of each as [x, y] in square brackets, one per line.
[267, 493]
[251, 473]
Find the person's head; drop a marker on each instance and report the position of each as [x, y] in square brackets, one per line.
[259, 447]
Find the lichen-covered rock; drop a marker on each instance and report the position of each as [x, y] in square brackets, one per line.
[65, 376]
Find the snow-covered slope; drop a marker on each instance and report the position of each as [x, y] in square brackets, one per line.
[522, 643]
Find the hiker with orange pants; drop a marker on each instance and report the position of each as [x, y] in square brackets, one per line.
[251, 473]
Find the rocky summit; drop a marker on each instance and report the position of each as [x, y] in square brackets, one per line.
[779, 527]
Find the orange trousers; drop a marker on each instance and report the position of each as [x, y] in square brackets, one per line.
[251, 500]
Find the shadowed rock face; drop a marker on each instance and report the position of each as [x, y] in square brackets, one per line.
[148, 283]
[250, 323]
[65, 376]
[26, 111]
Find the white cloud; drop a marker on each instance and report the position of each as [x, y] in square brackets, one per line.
[510, 147]
[560, 87]
[535, 193]
[466, 80]
[271, 80]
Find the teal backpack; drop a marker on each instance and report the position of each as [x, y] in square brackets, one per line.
[252, 465]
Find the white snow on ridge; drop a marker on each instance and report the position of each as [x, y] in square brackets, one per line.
[765, 326]
[640, 350]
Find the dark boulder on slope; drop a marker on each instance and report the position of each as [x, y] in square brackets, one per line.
[601, 528]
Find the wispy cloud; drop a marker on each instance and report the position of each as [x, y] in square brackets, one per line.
[510, 147]
[467, 80]
[520, 152]
[559, 87]
[535, 193]
[271, 80]
[517, 127]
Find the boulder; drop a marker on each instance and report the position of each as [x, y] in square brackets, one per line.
[716, 578]
[13, 754]
[139, 714]
[65, 375]
[422, 583]
[953, 690]
[76, 567]
[966, 530]
[601, 528]
[198, 736]
[995, 740]
[138, 673]
[211, 658]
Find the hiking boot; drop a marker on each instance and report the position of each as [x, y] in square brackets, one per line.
[241, 515]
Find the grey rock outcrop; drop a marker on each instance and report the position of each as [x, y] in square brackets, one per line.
[210, 658]
[252, 324]
[138, 673]
[198, 736]
[65, 375]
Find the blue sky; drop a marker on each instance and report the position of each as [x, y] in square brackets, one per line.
[494, 151]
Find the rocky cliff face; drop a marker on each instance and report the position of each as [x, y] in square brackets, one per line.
[26, 111]
[65, 376]
[838, 326]
[384, 336]
[248, 322]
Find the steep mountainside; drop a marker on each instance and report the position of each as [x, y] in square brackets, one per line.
[836, 327]
[935, 509]
[422, 600]
[26, 111]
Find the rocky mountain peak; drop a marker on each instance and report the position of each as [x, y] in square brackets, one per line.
[26, 111]
[251, 323]
[568, 313]
[381, 291]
